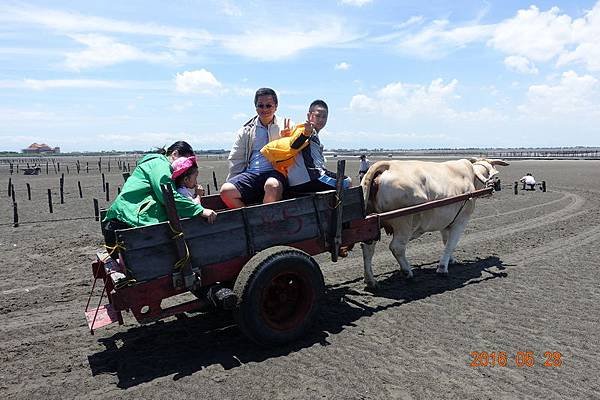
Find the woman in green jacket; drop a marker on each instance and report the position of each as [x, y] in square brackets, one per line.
[141, 201]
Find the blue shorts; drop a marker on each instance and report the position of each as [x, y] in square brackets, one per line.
[252, 185]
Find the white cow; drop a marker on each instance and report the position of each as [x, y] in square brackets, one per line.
[390, 185]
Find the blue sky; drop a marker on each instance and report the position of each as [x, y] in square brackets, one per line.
[104, 75]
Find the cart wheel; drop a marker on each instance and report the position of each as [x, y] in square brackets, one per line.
[278, 292]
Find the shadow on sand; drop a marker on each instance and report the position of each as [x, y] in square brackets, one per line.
[183, 346]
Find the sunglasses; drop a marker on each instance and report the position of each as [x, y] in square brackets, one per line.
[267, 106]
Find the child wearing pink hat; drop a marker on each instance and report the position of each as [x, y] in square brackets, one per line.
[185, 176]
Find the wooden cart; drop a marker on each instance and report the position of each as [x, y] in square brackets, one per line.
[263, 253]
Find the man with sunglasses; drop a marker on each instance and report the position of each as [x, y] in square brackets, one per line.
[252, 178]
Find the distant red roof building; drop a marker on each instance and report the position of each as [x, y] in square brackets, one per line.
[43, 148]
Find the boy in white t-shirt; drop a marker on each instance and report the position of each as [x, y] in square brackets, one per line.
[528, 181]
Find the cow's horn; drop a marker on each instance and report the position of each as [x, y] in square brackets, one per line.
[497, 161]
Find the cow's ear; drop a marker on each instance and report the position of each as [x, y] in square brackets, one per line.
[473, 160]
[496, 161]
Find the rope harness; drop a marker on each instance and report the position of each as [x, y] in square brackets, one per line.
[181, 262]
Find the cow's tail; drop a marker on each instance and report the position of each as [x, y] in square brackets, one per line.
[370, 183]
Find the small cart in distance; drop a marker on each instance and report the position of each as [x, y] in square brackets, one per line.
[263, 252]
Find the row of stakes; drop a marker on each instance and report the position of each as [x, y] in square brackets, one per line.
[35, 170]
[105, 189]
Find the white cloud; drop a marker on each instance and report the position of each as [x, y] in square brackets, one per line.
[537, 35]
[13, 114]
[437, 39]
[520, 64]
[280, 43]
[403, 101]
[532, 34]
[358, 3]
[407, 100]
[240, 115]
[37, 84]
[230, 8]
[342, 66]
[414, 20]
[179, 107]
[104, 51]
[199, 81]
[573, 96]
[70, 22]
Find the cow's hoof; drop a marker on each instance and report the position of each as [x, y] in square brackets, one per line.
[442, 273]
[407, 275]
[374, 288]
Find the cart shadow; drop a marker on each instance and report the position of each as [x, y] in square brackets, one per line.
[184, 346]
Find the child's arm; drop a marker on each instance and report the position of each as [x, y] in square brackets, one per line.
[210, 215]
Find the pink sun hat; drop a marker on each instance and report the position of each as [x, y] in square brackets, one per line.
[181, 165]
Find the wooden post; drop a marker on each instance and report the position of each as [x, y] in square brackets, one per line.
[103, 183]
[215, 180]
[107, 192]
[109, 165]
[79, 187]
[68, 169]
[58, 166]
[46, 167]
[516, 188]
[15, 215]
[336, 225]
[544, 186]
[50, 201]
[126, 175]
[28, 191]
[118, 190]
[9, 187]
[62, 189]
[208, 188]
[100, 164]
[87, 167]
[96, 210]
[13, 192]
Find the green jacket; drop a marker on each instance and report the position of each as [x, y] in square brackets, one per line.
[141, 201]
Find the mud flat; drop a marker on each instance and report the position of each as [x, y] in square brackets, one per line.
[526, 281]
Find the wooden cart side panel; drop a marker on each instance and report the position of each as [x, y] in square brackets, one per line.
[150, 251]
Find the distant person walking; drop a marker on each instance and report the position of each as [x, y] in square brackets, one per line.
[364, 166]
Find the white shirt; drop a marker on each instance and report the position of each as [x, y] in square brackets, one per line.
[528, 179]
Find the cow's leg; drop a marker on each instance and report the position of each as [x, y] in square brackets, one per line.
[368, 249]
[398, 248]
[453, 237]
[445, 234]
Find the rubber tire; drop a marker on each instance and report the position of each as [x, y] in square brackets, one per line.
[257, 282]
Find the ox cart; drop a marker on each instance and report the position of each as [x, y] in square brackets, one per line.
[263, 253]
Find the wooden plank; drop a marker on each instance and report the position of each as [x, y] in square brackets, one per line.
[149, 251]
[282, 223]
